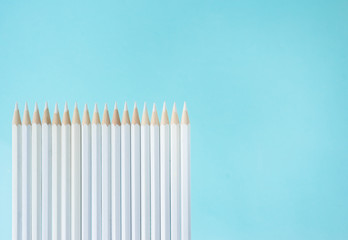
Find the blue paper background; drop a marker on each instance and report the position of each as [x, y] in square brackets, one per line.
[266, 85]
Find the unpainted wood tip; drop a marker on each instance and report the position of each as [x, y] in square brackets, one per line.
[175, 116]
[86, 119]
[116, 117]
[16, 120]
[56, 119]
[66, 109]
[185, 118]
[46, 105]
[26, 117]
[96, 119]
[164, 117]
[154, 117]
[145, 118]
[106, 117]
[125, 115]
[56, 108]
[46, 119]
[36, 115]
[76, 116]
[135, 117]
[66, 116]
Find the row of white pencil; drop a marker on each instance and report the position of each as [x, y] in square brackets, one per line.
[110, 180]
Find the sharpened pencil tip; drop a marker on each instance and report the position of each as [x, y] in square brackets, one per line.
[75, 105]
[154, 108]
[164, 107]
[36, 107]
[145, 107]
[16, 106]
[174, 107]
[46, 105]
[26, 106]
[115, 107]
[56, 108]
[66, 107]
[125, 107]
[86, 108]
[135, 105]
[95, 108]
[105, 107]
[185, 107]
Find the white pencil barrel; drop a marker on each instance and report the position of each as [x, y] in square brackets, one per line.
[165, 181]
[56, 182]
[155, 183]
[185, 183]
[36, 181]
[116, 181]
[106, 182]
[16, 181]
[145, 182]
[175, 181]
[96, 181]
[125, 182]
[86, 171]
[135, 180]
[66, 181]
[46, 181]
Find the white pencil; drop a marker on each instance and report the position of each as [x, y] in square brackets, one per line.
[86, 171]
[76, 176]
[125, 176]
[16, 174]
[185, 176]
[116, 175]
[155, 177]
[106, 176]
[56, 175]
[36, 175]
[66, 177]
[26, 175]
[46, 175]
[145, 175]
[96, 175]
[165, 175]
[175, 174]
[135, 174]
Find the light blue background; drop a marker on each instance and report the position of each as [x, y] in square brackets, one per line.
[266, 84]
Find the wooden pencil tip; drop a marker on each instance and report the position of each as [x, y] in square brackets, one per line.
[46, 106]
[185, 118]
[135, 118]
[46, 119]
[16, 120]
[76, 116]
[164, 118]
[26, 117]
[145, 119]
[116, 117]
[26, 106]
[115, 107]
[56, 116]
[85, 118]
[125, 116]
[175, 116]
[106, 117]
[56, 108]
[154, 117]
[36, 115]
[96, 119]
[95, 108]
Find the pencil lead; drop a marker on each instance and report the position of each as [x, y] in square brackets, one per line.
[125, 115]
[26, 106]
[164, 118]
[56, 108]
[116, 116]
[36, 108]
[145, 119]
[66, 107]
[175, 116]
[185, 118]
[46, 119]
[95, 108]
[85, 118]
[16, 117]
[154, 117]
[76, 116]
[135, 118]
[106, 117]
